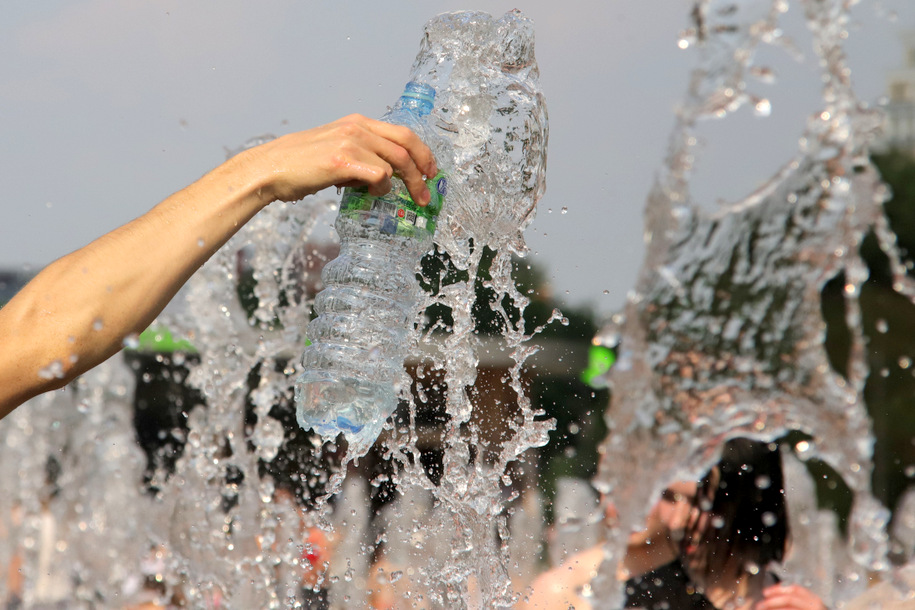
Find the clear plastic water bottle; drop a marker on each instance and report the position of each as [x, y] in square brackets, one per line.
[367, 308]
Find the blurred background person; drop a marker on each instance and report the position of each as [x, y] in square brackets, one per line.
[712, 544]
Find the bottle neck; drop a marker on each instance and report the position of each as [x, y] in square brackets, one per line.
[418, 98]
[413, 105]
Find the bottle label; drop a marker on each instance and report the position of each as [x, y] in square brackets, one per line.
[396, 213]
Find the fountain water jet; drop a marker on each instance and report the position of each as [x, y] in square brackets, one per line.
[723, 335]
[216, 530]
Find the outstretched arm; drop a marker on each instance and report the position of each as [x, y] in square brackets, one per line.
[76, 313]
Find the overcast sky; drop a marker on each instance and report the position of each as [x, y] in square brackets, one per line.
[107, 107]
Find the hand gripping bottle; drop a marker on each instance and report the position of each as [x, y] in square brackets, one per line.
[368, 305]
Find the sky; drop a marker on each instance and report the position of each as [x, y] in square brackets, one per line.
[107, 107]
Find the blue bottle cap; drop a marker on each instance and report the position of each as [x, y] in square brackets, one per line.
[418, 96]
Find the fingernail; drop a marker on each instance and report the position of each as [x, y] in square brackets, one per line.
[426, 196]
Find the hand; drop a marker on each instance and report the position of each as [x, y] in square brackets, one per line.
[352, 151]
[789, 597]
[670, 517]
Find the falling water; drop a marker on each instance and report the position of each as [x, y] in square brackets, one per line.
[490, 106]
[721, 337]
[220, 525]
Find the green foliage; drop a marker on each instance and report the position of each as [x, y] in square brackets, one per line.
[492, 315]
[888, 321]
[898, 171]
[888, 325]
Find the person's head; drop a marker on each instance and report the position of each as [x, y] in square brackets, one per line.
[669, 517]
[742, 512]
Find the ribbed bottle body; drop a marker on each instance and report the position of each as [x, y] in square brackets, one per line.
[358, 341]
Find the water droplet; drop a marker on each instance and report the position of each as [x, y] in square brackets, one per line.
[132, 341]
[763, 108]
[769, 519]
[763, 482]
[905, 362]
[882, 326]
[396, 575]
[97, 324]
[564, 210]
[55, 370]
[764, 74]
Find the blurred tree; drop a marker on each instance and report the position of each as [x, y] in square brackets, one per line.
[888, 325]
[576, 408]
[888, 320]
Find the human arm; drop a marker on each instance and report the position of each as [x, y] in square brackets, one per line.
[77, 311]
[789, 597]
[660, 542]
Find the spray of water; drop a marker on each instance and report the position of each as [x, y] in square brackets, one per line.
[492, 110]
[723, 335]
[220, 529]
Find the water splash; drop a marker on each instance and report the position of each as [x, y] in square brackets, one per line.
[218, 521]
[215, 529]
[73, 492]
[246, 306]
[723, 335]
[492, 110]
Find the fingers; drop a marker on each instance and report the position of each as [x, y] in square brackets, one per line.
[407, 139]
[401, 150]
[404, 165]
[352, 151]
[789, 597]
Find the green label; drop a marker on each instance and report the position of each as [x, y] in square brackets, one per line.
[396, 213]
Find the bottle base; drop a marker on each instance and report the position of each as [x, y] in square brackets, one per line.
[329, 405]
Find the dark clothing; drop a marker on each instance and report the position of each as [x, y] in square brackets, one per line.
[314, 600]
[665, 588]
